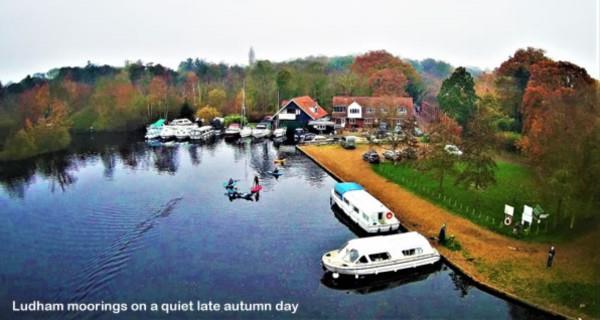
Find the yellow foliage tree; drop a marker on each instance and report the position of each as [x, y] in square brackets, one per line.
[207, 113]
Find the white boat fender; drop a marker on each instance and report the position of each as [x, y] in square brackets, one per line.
[337, 275]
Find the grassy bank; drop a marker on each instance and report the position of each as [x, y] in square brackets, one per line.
[486, 208]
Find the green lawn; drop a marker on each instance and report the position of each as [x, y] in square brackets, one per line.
[514, 187]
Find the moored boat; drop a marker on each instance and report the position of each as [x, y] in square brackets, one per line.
[233, 130]
[261, 131]
[153, 130]
[364, 209]
[245, 132]
[279, 132]
[380, 254]
[202, 133]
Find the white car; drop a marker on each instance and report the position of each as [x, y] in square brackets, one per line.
[452, 149]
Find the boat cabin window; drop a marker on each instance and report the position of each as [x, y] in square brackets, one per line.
[355, 209]
[337, 194]
[363, 259]
[380, 216]
[365, 217]
[347, 202]
[409, 252]
[379, 256]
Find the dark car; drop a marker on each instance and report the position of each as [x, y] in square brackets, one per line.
[308, 137]
[371, 157]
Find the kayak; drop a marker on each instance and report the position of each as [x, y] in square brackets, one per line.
[280, 161]
[256, 189]
[276, 174]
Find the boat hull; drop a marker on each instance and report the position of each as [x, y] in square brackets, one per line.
[379, 268]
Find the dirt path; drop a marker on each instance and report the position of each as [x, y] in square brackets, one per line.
[514, 267]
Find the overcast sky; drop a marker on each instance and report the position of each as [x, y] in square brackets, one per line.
[37, 35]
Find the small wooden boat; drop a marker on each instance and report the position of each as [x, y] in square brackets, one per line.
[279, 161]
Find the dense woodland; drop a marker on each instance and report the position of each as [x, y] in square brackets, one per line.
[544, 111]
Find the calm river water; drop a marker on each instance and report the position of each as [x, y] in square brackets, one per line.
[114, 219]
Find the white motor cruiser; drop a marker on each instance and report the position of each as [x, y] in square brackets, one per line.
[364, 209]
[279, 132]
[202, 133]
[261, 131]
[178, 128]
[245, 132]
[153, 130]
[375, 255]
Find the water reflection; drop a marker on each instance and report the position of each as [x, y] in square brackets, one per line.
[366, 285]
[129, 152]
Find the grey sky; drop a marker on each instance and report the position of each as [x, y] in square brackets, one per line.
[37, 35]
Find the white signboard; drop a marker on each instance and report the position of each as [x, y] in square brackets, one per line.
[527, 215]
[509, 210]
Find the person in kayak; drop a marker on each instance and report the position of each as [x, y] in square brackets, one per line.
[256, 181]
[230, 184]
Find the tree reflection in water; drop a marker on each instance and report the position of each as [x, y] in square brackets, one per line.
[129, 150]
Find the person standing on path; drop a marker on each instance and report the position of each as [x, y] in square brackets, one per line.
[551, 255]
[442, 235]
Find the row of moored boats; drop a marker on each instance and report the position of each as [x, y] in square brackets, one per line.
[184, 129]
[377, 254]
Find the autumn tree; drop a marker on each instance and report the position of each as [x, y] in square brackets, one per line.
[457, 96]
[216, 98]
[478, 145]
[388, 82]
[512, 78]
[207, 113]
[437, 161]
[261, 86]
[560, 119]
[374, 62]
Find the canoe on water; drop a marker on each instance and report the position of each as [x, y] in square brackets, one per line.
[280, 161]
[256, 188]
[276, 174]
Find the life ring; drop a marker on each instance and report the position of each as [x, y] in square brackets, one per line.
[389, 215]
[508, 220]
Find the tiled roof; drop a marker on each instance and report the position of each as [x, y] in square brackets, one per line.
[308, 105]
[344, 101]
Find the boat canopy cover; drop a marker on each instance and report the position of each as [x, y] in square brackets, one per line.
[344, 187]
[159, 123]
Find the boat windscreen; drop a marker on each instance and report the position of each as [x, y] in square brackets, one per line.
[351, 255]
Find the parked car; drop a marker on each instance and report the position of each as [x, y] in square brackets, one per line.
[299, 135]
[308, 137]
[371, 156]
[392, 155]
[452, 149]
[348, 142]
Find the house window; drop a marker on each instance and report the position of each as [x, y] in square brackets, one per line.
[402, 110]
[339, 109]
[338, 121]
[290, 110]
[383, 110]
[352, 121]
[297, 112]
[370, 110]
[354, 111]
[369, 121]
